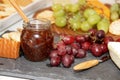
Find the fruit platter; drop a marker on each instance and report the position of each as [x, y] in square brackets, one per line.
[74, 22]
[86, 43]
[81, 25]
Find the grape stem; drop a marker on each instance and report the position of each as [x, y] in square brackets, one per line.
[104, 58]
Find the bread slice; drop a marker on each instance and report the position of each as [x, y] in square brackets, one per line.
[114, 27]
[10, 45]
[47, 14]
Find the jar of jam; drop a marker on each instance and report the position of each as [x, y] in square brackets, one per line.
[36, 39]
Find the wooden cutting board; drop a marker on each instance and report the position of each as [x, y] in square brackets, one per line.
[65, 30]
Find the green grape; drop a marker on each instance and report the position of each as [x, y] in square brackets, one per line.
[71, 21]
[105, 20]
[103, 25]
[94, 19]
[82, 19]
[60, 21]
[76, 26]
[57, 7]
[74, 8]
[119, 11]
[114, 16]
[77, 16]
[85, 26]
[81, 2]
[68, 7]
[59, 13]
[115, 7]
[88, 12]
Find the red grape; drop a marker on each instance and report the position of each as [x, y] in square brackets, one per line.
[100, 34]
[53, 53]
[118, 40]
[68, 49]
[61, 50]
[108, 39]
[87, 37]
[104, 48]
[74, 51]
[72, 58]
[76, 45]
[86, 45]
[66, 60]
[81, 53]
[60, 43]
[68, 39]
[96, 50]
[80, 39]
[92, 32]
[55, 61]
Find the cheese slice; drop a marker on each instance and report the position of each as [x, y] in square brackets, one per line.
[114, 50]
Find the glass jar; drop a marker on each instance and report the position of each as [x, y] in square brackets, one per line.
[36, 39]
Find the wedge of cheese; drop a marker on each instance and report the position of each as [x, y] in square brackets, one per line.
[114, 50]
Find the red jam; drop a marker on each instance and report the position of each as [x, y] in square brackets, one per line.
[36, 41]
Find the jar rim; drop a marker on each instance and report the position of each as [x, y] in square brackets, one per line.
[40, 20]
[37, 23]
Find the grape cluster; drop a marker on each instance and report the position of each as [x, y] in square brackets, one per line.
[70, 47]
[79, 16]
[115, 11]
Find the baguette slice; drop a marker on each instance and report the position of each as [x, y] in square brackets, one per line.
[114, 27]
[47, 14]
[9, 48]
